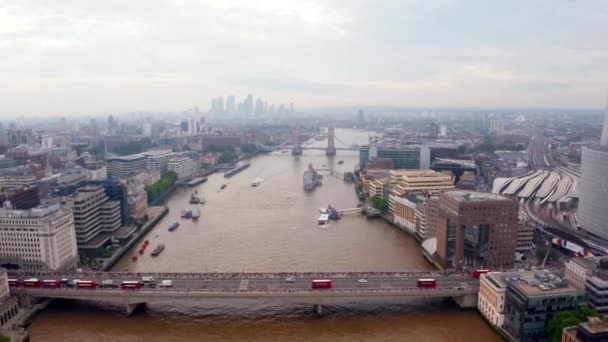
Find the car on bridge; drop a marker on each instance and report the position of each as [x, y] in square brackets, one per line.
[290, 279]
[362, 281]
[166, 283]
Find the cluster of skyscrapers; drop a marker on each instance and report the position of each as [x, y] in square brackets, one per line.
[247, 107]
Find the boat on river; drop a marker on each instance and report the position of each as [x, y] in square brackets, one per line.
[256, 182]
[323, 219]
[311, 178]
[195, 213]
[196, 200]
[223, 186]
[173, 226]
[187, 214]
[159, 249]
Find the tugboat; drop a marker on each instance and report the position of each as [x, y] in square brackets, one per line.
[187, 214]
[195, 199]
[173, 226]
[256, 182]
[159, 249]
[333, 213]
[195, 213]
[223, 186]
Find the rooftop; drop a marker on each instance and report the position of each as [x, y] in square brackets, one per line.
[586, 262]
[595, 325]
[127, 158]
[532, 283]
[50, 211]
[469, 196]
[156, 153]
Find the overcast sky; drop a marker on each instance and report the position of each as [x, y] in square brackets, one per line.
[80, 56]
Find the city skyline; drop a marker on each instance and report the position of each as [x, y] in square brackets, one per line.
[77, 58]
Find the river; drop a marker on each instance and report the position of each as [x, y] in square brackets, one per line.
[271, 228]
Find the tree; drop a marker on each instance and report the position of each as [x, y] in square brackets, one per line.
[380, 203]
[227, 157]
[565, 319]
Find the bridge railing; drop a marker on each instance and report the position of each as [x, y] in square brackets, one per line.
[238, 275]
[63, 290]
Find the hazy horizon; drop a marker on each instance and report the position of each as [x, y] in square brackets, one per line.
[69, 57]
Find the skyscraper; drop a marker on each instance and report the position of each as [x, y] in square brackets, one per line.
[230, 104]
[249, 105]
[497, 127]
[592, 213]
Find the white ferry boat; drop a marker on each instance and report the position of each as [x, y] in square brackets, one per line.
[323, 219]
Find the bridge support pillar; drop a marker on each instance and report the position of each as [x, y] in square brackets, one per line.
[468, 301]
[131, 307]
[319, 309]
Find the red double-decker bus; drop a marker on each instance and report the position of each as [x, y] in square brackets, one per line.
[477, 273]
[86, 284]
[51, 283]
[31, 282]
[131, 284]
[321, 284]
[427, 282]
[13, 282]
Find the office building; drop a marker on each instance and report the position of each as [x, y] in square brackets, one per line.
[378, 188]
[532, 299]
[593, 330]
[476, 229]
[443, 131]
[147, 129]
[116, 191]
[497, 128]
[230, 105]
[95, 217]
[97, 172]
[577, 270]
[138, 202]
[21, 137]
[403, 156]
[184, 167]
[404, 181]
[596, 283]
[492, 296]
[25, 197]
[6, 163]
[434, 130]
[9, 306]
[122, 167]
[525, 237]
[592, 213]
[158, 160]
[41, 238]
[17, 177]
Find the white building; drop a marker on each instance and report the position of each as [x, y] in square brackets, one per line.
[443, 131]
[42, 238]
[192, 126]
[183, 166]
[147, 129]
[577, 270]
[158, 160]
[492, 295]
[497, 128]
[99, 173]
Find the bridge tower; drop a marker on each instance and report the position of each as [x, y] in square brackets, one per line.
[297, 146]
[331, 148]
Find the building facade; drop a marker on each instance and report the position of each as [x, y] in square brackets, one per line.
[532, 301]
[184, 167]
[404, 181]
[403, 157]
[38, 239]
[476, 229]
[577, 270]
[158, 160]
[124, 166]
[592, 213]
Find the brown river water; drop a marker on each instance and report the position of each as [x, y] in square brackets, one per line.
[271, 228]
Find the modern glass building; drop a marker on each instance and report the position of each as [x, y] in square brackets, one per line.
[592, 213]
[403, 157]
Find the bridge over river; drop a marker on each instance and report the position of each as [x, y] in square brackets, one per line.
[352, 286]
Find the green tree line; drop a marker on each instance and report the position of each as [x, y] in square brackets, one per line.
[158, 188]
[565, 319]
